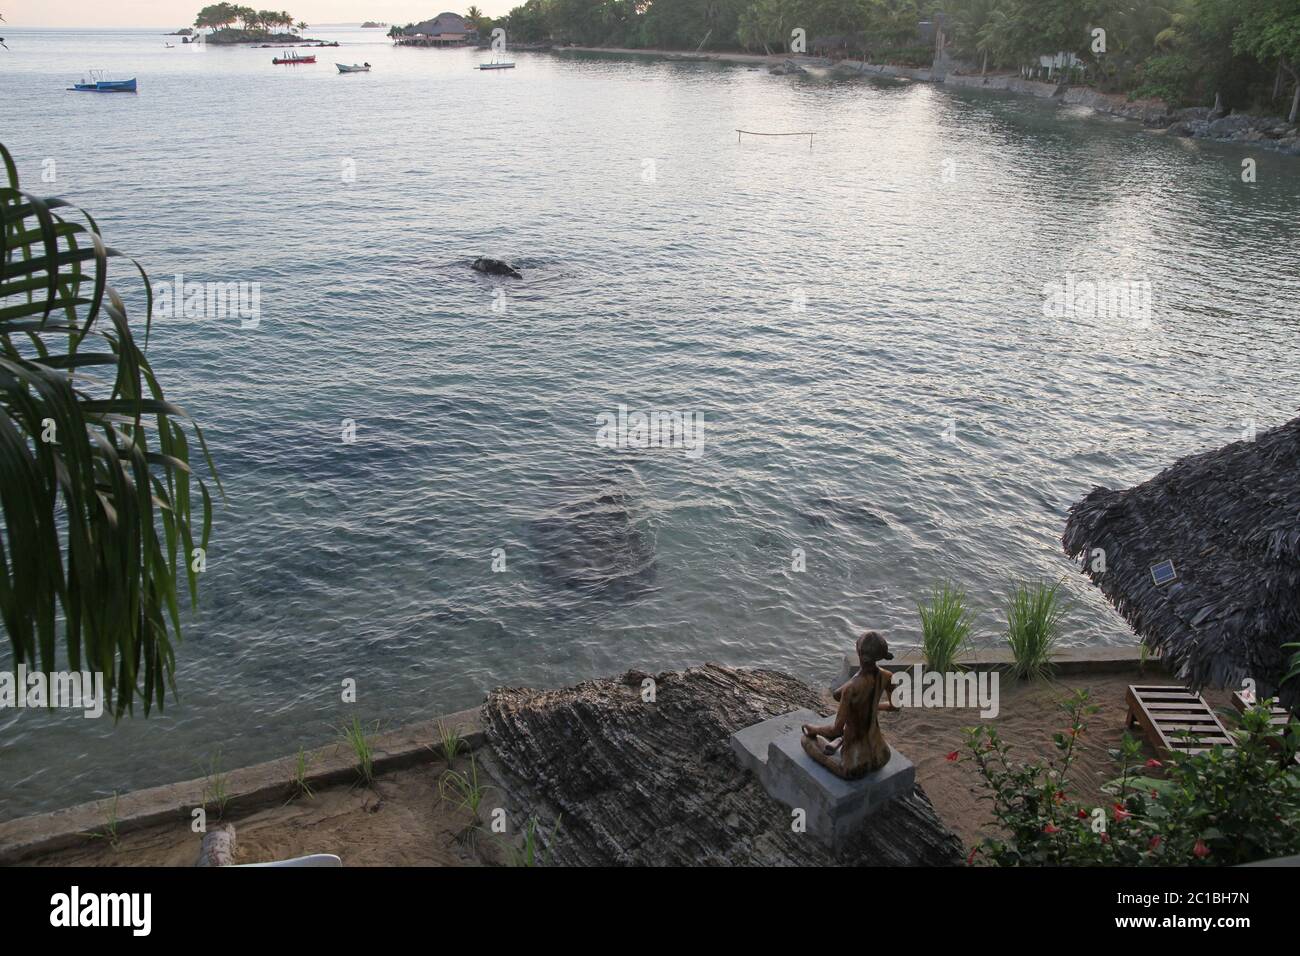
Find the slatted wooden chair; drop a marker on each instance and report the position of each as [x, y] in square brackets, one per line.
[1164, 712]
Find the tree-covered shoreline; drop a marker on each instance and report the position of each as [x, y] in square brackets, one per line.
[257, 25]
[1243, 53]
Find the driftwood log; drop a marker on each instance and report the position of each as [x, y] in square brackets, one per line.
[655, 783]
[218, 847]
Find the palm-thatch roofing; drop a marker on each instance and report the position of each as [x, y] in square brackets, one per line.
[1229, 520]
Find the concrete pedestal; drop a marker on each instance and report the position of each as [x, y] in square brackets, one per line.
[835, 807]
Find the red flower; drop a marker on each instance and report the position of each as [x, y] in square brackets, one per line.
[1154, 844]
[971, 859]
[1105, 837]
[1201, 851]
[1120, 813]
[952, 757]
[1154, 795]
[1051, 829]
[1153, 763]
[1083, 814]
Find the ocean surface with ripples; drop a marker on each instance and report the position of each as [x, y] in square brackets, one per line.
[863, 335]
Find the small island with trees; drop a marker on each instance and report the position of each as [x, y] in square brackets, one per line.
[255, 26]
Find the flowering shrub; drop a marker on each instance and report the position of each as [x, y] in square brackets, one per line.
[1221, 807]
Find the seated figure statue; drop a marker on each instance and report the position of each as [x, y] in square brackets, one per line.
[853, 746]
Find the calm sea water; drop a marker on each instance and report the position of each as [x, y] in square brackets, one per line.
[830, 313]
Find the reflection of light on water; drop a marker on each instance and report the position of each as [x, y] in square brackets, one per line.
[921, 305]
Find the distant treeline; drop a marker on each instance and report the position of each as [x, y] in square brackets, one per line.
[1185, 51]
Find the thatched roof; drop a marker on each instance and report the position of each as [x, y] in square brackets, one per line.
[1229, 520]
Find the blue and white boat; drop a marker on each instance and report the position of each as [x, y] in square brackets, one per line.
[97, 84]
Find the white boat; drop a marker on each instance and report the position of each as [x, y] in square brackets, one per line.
[497, 65]
[344, 68]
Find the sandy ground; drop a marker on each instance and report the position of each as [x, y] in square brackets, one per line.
[1029, 714]
[402, 821]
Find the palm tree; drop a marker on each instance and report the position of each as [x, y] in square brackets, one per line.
[302, 26]
[96, 491]
[473, 14]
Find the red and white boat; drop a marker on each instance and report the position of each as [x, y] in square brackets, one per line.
[293, 57]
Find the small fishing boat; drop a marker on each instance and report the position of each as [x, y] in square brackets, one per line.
[497, 65]
[97, 84]
[293, 57]
[344, 68]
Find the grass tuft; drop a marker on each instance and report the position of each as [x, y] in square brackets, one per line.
[1035, 615]
[465, 788]
[301, 788]
[109, 832]
[355, 736]
[533, 853]
[216, 786]
[945, 627]
[452, 743]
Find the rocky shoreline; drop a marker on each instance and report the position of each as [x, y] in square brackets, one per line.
[1197, 122]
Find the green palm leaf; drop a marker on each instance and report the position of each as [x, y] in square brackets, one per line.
[97, 494]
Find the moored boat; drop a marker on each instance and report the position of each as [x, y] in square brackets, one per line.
[497, 65]
[97, 84]
[344, 68]
[293, 57]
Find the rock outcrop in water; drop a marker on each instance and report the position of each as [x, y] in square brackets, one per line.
[598, 543]
[653, 784]
[495, 267]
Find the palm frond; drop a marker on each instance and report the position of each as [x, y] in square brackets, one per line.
[96, 487]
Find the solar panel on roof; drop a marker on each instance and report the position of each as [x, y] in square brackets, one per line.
[1163, 573]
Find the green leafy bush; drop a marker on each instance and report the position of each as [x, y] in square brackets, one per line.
[1170, 77]
[1222, 807]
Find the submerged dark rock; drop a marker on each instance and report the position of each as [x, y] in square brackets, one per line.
[654, 783]
[597, 541]
[495, 267]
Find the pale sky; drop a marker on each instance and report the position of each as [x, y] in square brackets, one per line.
[180, 13]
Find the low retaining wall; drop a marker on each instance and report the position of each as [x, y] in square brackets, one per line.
[249, 788]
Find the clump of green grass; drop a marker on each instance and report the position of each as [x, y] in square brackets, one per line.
[945, 626]
[216, 786]
[109, 832]
[1035, 615]
[355, 736]
[465, 788]
[452, 743]
[532, 853]
[301, 788]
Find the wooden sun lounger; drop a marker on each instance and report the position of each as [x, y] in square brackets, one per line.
[1164, 712]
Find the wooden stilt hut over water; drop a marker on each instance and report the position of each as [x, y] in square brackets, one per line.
[446, 29]
[1203, 560]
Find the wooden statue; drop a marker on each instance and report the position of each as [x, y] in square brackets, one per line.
[853, 746]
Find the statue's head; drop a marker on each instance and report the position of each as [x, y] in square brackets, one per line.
[872, 647]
